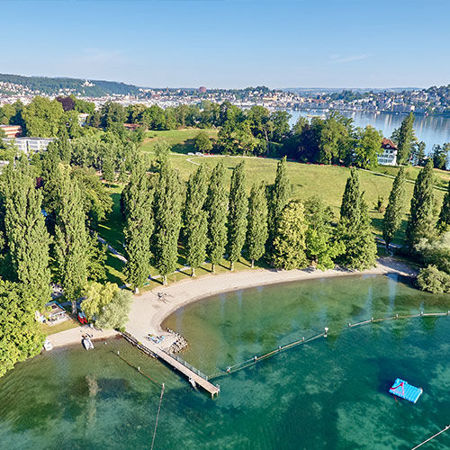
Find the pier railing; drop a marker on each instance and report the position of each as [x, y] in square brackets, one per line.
[186, 364]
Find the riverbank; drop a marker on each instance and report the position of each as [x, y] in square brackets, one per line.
[150, 309]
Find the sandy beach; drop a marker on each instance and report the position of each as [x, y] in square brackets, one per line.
[149, 310]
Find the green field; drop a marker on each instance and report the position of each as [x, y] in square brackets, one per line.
[325, 182]
[181, 141]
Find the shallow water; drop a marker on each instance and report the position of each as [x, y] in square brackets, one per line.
[330, 393]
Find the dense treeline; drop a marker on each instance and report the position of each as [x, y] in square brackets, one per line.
[47, 212]
[427, 230]
[256, 131]
[51, 86]
[205, 223]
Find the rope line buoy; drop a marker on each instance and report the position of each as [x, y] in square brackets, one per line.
[138, 369]
[157, 416]
[255, 359]
[432, 437]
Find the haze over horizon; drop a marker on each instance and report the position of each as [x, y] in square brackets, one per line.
[231, 44]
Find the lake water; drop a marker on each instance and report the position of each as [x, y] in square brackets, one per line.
[328, 394]
[430, 129]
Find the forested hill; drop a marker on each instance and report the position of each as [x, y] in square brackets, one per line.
[54, 86]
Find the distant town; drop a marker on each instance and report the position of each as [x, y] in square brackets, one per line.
[431, 101]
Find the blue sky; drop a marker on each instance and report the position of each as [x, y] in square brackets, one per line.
[340, 43]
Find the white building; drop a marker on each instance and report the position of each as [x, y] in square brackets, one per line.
[389, 155]
[30, 145]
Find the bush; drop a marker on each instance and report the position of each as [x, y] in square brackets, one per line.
[433, 280]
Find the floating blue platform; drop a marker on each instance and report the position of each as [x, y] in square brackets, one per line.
[402, 389]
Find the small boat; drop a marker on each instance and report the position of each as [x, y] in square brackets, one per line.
[87, 343]
[48, 345]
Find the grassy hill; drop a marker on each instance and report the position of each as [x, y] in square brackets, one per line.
[326, 182]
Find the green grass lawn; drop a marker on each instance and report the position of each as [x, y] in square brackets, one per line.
[63, 326]
[442, 177]
[181, 141]
[325, 182]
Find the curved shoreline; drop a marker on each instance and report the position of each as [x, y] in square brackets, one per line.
[148, 311]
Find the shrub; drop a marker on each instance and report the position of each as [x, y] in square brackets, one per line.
[433, 280]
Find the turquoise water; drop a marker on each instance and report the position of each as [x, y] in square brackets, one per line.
[329, 394]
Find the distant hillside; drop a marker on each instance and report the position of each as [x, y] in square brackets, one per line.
[55, 86]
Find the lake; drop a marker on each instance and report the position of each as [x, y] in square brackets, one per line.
[430, 129]
[329, 394]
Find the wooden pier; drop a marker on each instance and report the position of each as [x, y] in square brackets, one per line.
[195, 377]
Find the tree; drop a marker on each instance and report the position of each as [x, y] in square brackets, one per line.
[96, 297]
[433, 280]
[237, 214]
[418, 154]
[109, 167]
[115, 313]
[368, 147]
[139, 226]
[203, 142]
[394, 210]
[195, 219]
[257, 232]
[420, 223]
[335, 140]
[20, 335]
[216, 207]
[440, 155]
[406, 139]
[289, 245]
[354, 228]
[444, 216]
[351, 200]
[279, 195]
[43, 117]
[72, 247]
[322, 247]
[167, 210]
[25, 232]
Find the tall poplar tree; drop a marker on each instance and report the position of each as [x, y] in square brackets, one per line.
[257, 231]
[406, 139]
[195, 219]
[216, 207]
[72, 246]
[138, 226]
[167, 210]
[444, 216]
[420, 223]
[351, 200]
[279, 195]
[237, 215]
[394, 210]
[25, 232]
[354, 229]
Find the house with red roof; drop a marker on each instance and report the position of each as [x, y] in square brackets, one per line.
[389, 155]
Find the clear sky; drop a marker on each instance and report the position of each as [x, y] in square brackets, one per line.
[340, 43]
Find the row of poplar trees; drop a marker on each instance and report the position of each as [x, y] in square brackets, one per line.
[44, 232]
[422, 222]
[212, 223]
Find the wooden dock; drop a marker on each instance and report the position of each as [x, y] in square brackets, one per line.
[195, 377]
